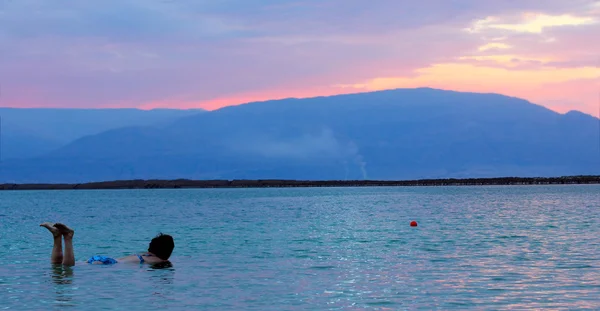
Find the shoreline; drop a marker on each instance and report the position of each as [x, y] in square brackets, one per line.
[281, 183]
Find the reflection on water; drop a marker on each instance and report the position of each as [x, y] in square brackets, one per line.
[162, 273]
[161, 277]
[62, 278]
[61, 275]
[162, 265]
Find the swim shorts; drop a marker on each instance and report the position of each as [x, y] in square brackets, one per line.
[103, 259]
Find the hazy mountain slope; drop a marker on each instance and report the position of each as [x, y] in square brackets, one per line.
[398, 134]
[16, 144]
[35, 131]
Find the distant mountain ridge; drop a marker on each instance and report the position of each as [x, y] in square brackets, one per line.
[30, 132]
[384, 135]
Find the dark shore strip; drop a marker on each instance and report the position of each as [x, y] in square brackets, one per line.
[267, 183]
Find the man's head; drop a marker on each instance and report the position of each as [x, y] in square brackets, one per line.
[162, 246]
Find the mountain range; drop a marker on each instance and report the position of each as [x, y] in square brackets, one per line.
[28, 133]
[394, 134]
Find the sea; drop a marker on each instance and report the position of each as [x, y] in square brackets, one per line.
[475, 248]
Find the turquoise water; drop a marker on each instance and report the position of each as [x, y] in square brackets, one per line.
[476, 248]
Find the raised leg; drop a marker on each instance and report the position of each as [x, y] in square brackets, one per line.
[57, 252]
[67, 233]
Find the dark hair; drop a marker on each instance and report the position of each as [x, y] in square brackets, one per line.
[162, 246]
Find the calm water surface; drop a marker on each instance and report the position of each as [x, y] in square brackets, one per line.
[476, 248]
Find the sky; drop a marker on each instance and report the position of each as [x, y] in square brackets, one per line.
[209, 54]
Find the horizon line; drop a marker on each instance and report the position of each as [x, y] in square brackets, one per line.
[286, 183]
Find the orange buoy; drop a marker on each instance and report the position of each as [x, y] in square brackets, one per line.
[413, 223]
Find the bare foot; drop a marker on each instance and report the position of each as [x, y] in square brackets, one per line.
[50, 226]
[64, 230]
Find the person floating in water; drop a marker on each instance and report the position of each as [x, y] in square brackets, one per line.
[159, 250]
